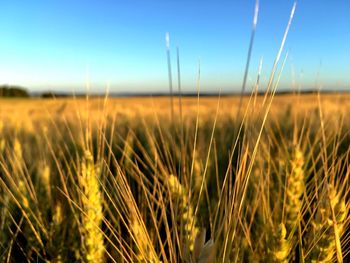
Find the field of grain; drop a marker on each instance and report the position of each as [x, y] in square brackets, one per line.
[120, 180]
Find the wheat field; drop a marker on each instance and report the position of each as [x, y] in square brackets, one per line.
[120, 180]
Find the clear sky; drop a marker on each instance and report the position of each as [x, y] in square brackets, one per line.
[55, 44]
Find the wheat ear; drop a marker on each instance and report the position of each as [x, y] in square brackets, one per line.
[179, 196]
[326, 230]
[92, 207]
[295, 186]
[279, 246]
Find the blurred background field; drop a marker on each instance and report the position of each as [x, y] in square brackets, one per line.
[18, 110]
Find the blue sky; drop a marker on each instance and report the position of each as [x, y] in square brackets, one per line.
[54, 45]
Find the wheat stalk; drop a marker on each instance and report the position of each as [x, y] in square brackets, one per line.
[145, 250]
[179, 197]
[279, 246]
[295, 185]
[2, 139]
[326, 230]
[92, 207]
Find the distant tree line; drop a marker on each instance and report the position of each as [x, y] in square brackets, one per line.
[13, 92]
[50, 95]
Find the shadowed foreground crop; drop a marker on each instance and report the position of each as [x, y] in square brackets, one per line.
[116, 180]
